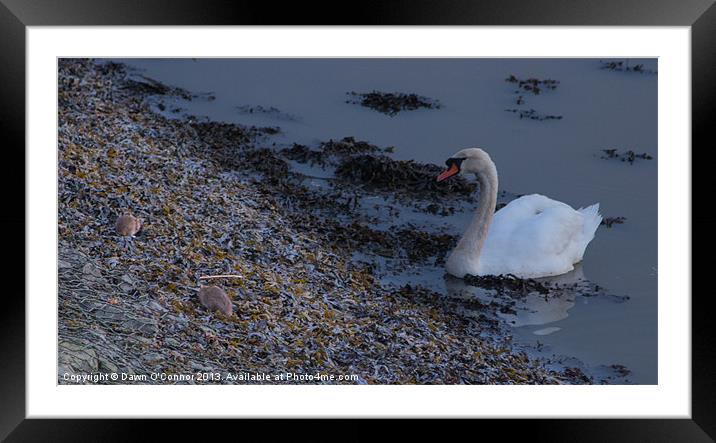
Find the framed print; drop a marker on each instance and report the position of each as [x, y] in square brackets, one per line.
[421, 211]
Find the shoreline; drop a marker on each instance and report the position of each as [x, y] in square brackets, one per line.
[216, 200]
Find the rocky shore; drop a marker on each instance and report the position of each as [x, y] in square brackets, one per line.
[216, 198]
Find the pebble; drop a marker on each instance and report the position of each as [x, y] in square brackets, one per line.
[128, 225]
[214, 298]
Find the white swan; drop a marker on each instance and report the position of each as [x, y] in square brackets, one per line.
[533, 236]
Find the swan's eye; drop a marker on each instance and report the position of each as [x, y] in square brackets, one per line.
[454, 161]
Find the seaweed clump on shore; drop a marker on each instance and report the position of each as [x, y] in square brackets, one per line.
[261, 160]
[348, 146]
[391, 103]
[331, 151]
[304, 154]
[151, 87]
[396, 242]
[228, 135]
[405, 176]
[233, 146]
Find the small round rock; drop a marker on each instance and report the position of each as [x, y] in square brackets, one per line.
[214, 298]
[128, 225]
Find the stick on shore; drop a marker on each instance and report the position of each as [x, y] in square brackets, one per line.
[208, 277]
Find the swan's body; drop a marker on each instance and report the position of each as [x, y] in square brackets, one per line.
[533, 236]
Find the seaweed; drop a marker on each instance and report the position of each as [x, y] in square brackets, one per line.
[507, 284]
[303, 154]
[609, 221]
[404, 176]
[348, 146]
[331, 152]
[628, 156]
[391, 103]
[268, 111]
[531, 114]
[533, 85]
[624, 66]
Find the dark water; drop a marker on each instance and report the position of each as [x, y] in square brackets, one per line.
[559, 158]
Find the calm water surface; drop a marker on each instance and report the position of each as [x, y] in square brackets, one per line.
[558, 158]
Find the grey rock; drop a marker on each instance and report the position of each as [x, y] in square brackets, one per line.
[76, 358]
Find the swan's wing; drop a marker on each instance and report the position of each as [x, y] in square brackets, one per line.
[549, 233]
[534, 236]
[519, 212]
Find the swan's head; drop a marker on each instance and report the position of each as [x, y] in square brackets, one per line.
[471, 160]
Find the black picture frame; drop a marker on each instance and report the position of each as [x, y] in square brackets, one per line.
[16, 15]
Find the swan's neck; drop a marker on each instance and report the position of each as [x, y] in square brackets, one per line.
[474, 238]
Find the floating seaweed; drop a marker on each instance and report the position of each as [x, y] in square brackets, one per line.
[609, 221]
[391, 103]
[621, 370]
[628, 156]
[534, 115]
[507, 284]
[267, 111]
[623, 66]
[513, 287]
[532, 85]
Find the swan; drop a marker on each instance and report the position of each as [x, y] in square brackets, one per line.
[533, 236]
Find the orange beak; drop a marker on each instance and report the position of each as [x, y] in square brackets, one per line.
[448, 172]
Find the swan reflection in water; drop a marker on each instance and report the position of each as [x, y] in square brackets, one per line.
[530, 310]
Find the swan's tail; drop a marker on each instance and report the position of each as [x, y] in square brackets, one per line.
[592, 220]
